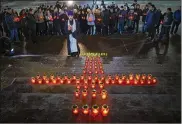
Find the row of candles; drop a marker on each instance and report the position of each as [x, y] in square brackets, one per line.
[93, 66]
[94, 110]
[103, 93]
[128, 80]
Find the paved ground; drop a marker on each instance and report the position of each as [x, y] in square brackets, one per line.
[23, 102]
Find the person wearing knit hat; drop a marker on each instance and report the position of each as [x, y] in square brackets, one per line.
[72, 29]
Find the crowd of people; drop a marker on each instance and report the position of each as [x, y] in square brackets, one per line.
[104, 20]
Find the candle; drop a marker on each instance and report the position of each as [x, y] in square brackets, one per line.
[107, 81]
[38, 76]
[44, 77]
[84, 72]
[154, 80]
[77, 93]
[141, 81]
[77, 86]
[75, 109]
[74, 77]
[84, 93]
[143, 76]
[54, 81]
[105, 110]
[82, 77]
[93, 84]
[135, 81]
[52, 77]
[95, 110]
[85, 109]
[101, 85]
[131, 77]
[149, 81]
[85, 86]
[120, 81]
[116, 77]
[149, 77]
[47, 81]
[33, 80]
[40, 81]
[123, 77]
[127, 81]
[104, 94]
[137, 76]
[94, 93]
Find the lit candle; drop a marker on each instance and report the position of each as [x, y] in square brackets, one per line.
[127, 81]
[107, 81]
[104, 94]
[75, 109]
[105, 110]
[84, 93]
[82, 77]
[77, 81]
[38, 76]
[149, 81]
[141, 81]
[102, 72]
[44, 77]
[95, 110]
[116, 77]
[135, 81]
[47, 81]
[77, 93]
[85, 109]
[137, 76]
[131, 77]
[120, 81]
[77, 86]
[101, 85]
[154, 80]
[113, 81]
[84, 72]
[143, 76]
[93, 84]
[52, 77]
[54, 81]
[40, 81]
[94, 93]
[74, 77]
[123, 77]
[33, 80]
[69, 81]
[149, 77]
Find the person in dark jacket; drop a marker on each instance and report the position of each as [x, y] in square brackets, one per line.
[31, 21]
[150, 22]
[83, 22]
[63, 19]
[56, 22]
[158, 20]
[166, 25]
[11, 25]
[23, 23]
[176, 21]
[112, 21]
[72, 30]
[121, 19]
[5, 27]
[105, 18]
[144, 14]
[137, 14]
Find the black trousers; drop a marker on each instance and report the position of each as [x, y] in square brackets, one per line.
[105, 30]
[32, 34]
[164, 31]
[175, 25]
[136, 24]
[151, 31]
[91, 29]
[98, 29]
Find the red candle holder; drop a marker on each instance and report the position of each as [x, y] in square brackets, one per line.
[94, 92]
[65, 77]
[84, 93]
[113, 81]
[75, 109]
[137, 76]
[81, 77]
[93, 84]
[40, 81]
[96, 78]
[143, 76]
[127, 81]
[154, 80]
[136, 81]
[74, 77]
[149, 77]
[116, 77]
[77, 93]
[104, 94]
[109, 77]
[77, 86]
[69, 81]
[96, 72]
[84, 72]
[33, 80]
[54, 81]
[95, 110]
[101, 85]
[105, 110]
[90, 72]
[102, 72]
[58, 78]
[142, 81]
[61, 81]
[89, 78]
[44, 77]
[107, 82]
[131, 77]
[85, 109]
[47, 81]
[38, 76]
[123, 77]
[85, 86]
[149, 82]
[52, 77]
[120, 81]
[86, 82]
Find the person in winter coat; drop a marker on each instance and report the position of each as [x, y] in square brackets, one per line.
[56, 22]
[11, 25]
[112, 21]
[158, 20]
[98, 22]
[49, 22]
[137, 14]
[121, 19]
[105, 18]
[166, 24]
[23, 23]
[150, 22]
[63, 18]
[91, 22]
[40, 22]
[144, 14]
[31, 24]
[176, 21]
[83, 22]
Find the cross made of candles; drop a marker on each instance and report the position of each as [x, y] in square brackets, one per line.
[91, 96]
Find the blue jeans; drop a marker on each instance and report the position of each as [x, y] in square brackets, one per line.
[120, 27]
[14, 33]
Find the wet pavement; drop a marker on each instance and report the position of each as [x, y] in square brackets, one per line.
[22, 101]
